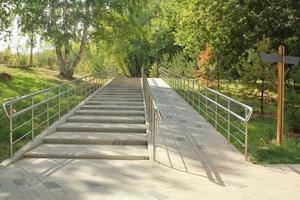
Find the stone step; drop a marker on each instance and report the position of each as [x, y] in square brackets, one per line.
[95, 127]
[110, 112]
[118, 99]
[120, 89]
[115, 103]
[117, 96]
[96, 138]
[107, 119]
[115, 152]
[118, 93]
[106, 107]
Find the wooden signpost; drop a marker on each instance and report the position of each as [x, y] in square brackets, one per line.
[281, 59]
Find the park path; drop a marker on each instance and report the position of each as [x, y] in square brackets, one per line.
[193, 161]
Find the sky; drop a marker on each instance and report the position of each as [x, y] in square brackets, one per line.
[18, 42]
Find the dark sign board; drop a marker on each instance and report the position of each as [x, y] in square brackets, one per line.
[276, 58]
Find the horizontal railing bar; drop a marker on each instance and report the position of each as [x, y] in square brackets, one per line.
[36, 127]
[20, 138]
[21, 125]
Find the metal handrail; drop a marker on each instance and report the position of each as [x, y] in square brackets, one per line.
[201, 99]
[65, 96]
[152, 114]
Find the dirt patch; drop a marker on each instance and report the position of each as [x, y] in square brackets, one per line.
[5, 76]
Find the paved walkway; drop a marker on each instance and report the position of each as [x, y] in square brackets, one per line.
[193, 162]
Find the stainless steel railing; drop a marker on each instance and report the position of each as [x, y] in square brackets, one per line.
[153, 116]
[29, 115]
[226, 114]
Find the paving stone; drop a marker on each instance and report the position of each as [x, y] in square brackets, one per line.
[51, 185]
[157, 195]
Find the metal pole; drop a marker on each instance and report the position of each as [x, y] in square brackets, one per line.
[216, 111]
[11, 130]
[68, 98]
[75, 92]
[206, 95]
[246, 141]
[47, 109]
[228, 121]
[194, 94]
[32, 118]
[280, 106]
[59, 102]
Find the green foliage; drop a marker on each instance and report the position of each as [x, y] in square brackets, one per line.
[259, 74]
[293, 111]
[181, 64]
[6, 56]
[45, 59]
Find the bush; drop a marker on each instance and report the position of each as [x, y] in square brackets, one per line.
[45, 59]
[293, 111]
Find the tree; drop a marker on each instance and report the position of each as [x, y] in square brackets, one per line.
[65, 23]
[257, 72]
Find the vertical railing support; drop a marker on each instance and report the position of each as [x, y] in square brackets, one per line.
[47, 109]
[246, 141]
[228, 121]
[11, 130]
[75, 92]
[206, 104]
[59, 90]
[32, 117]
[194, 104]
[216, 111]
[68, 97]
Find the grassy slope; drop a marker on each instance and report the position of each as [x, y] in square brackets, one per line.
[26, 81]
[262, 132]
[23, 82]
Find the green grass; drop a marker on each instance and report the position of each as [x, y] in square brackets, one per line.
[24, 82]
[261, 129]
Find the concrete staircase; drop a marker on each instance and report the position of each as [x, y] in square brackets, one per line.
[110, 125]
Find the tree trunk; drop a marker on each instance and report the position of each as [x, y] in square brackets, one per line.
[31, 51]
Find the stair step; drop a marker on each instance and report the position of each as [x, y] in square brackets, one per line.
[96, 138]
[119, 96]
[120, 90]
[95, 127]
[107, 119]
[106, 107]
[110, 112]
[115, 152]
[102, 92]
[117, 99]
[115, 103]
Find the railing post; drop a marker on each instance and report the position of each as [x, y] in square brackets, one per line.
[194, 105]
[199, 98]
[216, 111]
[11, 130]
[246, 140]
[154, 134]
[188, 90]
[206, 104]
[32, 118]
[68, 97]
[228, 120]
[47, 109]
[75, 92]
[59, 88]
